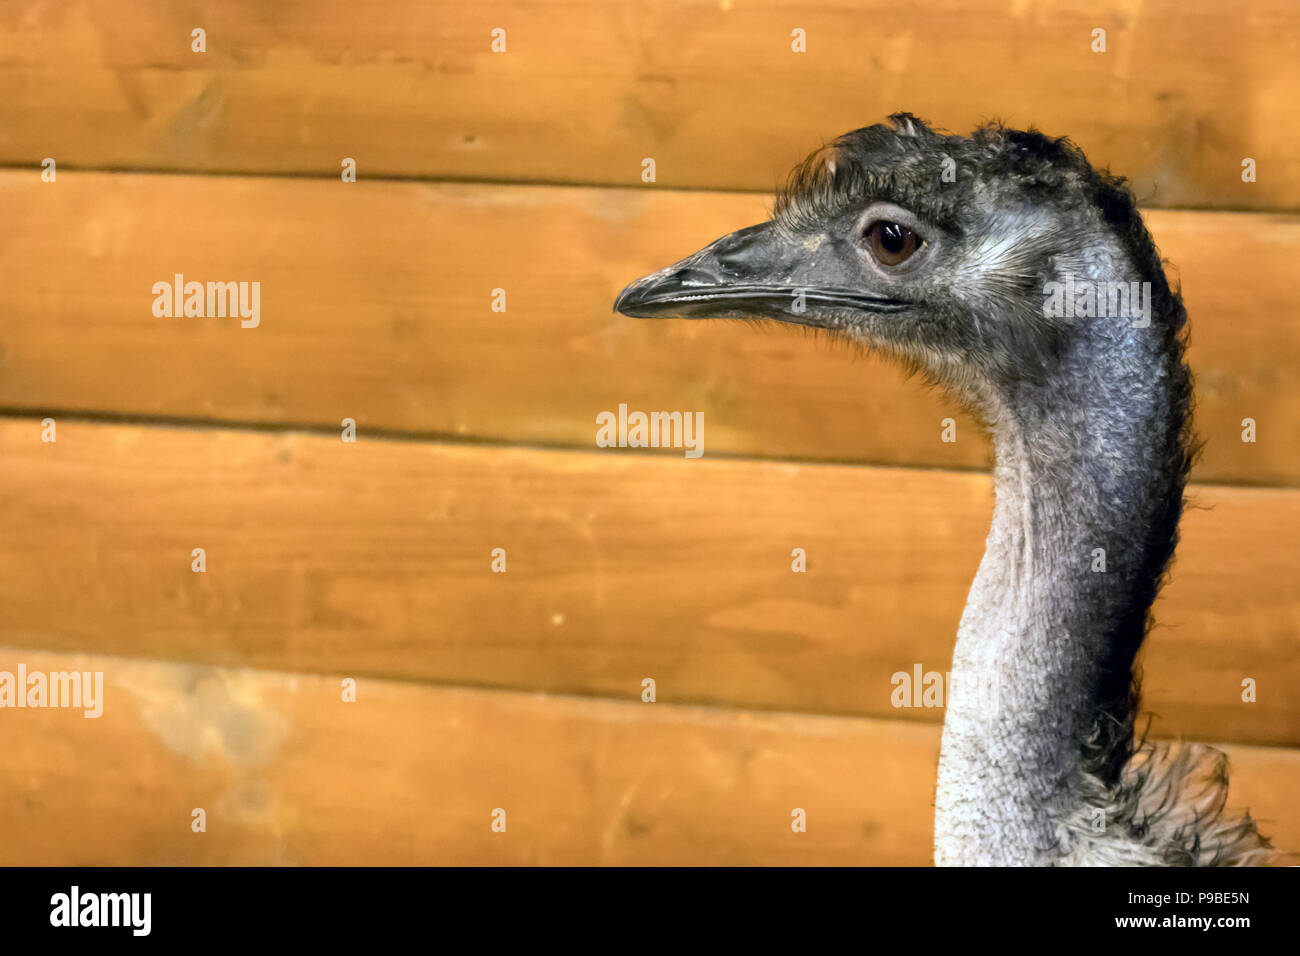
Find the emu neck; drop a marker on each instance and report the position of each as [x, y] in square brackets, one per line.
[1088, 491]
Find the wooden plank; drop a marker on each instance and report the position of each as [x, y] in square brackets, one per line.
[288, 774]
[375, 559]
[709, 88]
[376, 305]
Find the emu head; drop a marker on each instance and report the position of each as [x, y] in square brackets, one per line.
[940, 250]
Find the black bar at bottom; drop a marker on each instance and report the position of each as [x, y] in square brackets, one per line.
[633, 908]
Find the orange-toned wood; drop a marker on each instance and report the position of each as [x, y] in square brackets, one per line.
[708, 88]
[289, 774]
[376, 305]
[375, 558]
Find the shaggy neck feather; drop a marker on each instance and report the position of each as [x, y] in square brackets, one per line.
[1045, 649]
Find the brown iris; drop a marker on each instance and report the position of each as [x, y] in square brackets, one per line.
[891, 243]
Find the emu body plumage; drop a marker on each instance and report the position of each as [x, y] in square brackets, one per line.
[1040, 763]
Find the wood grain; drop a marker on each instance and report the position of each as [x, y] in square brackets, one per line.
[289, 774]
[711, 90]
[374, 558]
[376, 305]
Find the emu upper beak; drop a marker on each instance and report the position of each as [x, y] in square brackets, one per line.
[758, 271]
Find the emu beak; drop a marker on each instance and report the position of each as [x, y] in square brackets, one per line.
[760, 272]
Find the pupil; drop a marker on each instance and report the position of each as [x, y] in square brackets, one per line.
[891, 237]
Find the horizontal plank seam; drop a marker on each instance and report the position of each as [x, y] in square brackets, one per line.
[408, 436]
[16, 414]
[702, 710]
[34, 168]
[333, 176]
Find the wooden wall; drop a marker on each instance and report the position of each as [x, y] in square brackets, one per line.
[521, 170]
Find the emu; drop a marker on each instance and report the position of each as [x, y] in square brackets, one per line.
[945, 252]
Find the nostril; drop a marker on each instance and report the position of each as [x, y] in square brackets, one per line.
[689, 276]
[746, 259]
[738, 262]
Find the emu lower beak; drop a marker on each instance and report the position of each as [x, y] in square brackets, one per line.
[760, 272]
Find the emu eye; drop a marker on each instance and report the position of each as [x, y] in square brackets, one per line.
[891, 243]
